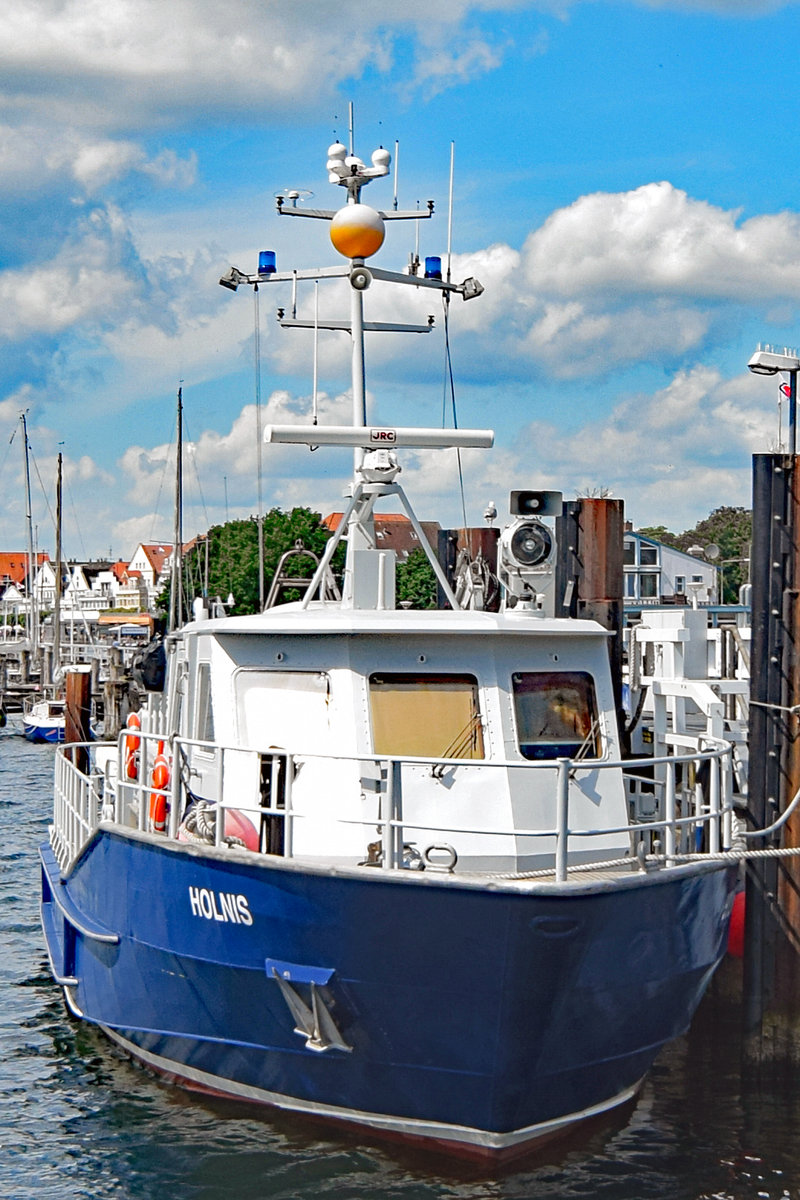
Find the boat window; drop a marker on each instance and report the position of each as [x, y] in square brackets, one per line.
[556, 714]
[432, 716]
[290, 709]
[204, 712]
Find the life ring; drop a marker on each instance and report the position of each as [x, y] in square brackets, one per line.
[158, 795]
[132, 742]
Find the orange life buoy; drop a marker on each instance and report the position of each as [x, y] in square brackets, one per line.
[158, 795]
[132, 741]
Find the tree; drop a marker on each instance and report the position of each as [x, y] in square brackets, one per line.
[233, 557]
[416, 580]
[661, 534]
[731, 529]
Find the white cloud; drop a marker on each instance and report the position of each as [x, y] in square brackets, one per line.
[85, 281]
[110, 63]
[234, 455]
[656, 239]
[673, 456]
[47, 155]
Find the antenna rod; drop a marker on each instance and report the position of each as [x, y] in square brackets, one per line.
[450, 211]
[259, 441]
[396, 157]
[350, 122]
[314, 413]
[56, 660]
[176, 590]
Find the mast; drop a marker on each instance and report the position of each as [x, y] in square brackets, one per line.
[57, 605]
[33, 633]
[357, 233]
[176, 579]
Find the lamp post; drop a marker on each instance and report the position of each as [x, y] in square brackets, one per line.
[768, 360]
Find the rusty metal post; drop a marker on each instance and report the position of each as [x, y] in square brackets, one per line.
[77, 726]
[601, 526]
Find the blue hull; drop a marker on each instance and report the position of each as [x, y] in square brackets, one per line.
[43, 733]
[482, 1017]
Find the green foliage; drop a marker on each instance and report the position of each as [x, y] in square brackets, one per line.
[661, 534]
[416, 581]
[731, 529]
[233, 557]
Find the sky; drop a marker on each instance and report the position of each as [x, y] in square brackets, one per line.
[624, 188]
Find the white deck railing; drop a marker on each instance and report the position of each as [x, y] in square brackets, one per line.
[687, 818]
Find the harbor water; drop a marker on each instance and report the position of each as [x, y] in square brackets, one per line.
[78, 1120]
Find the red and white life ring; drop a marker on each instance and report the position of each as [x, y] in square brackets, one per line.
[158, 795]
[131, 748]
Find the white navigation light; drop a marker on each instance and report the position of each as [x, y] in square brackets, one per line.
[337, 153]
[381, 160]
[357, 231]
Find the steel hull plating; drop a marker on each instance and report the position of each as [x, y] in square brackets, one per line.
[487, 1017]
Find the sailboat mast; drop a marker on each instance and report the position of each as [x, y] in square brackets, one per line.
[33, 633]
[57, 604]
[176, 588]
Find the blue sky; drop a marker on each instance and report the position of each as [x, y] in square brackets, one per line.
[625, 189]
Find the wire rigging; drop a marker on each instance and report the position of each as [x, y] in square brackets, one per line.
[161, 484]
[449, 381]
[191, 442]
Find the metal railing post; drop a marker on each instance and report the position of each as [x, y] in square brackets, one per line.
[288, 820]
[562, 819]
[390, 808]
[219, 812]
[713, 803]
[669, 812]
[174, 790]
[727, 802]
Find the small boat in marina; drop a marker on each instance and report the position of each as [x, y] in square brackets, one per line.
[44, 720]
[386, 866]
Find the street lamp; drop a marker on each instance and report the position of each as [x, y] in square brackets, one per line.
[768, 360]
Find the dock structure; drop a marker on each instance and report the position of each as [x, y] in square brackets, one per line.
[25, 675]
[773, 884]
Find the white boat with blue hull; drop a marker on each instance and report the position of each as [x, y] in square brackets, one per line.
[385, 866]
[44, 720]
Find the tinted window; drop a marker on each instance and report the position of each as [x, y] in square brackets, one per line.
[556, 714]
[430, 716]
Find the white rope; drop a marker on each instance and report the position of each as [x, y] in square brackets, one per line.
[794, 709]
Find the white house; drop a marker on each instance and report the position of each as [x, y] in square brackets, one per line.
[658, 574]
[151, 563]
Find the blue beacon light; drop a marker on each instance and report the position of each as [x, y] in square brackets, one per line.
[266, 262]
[433, 267]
